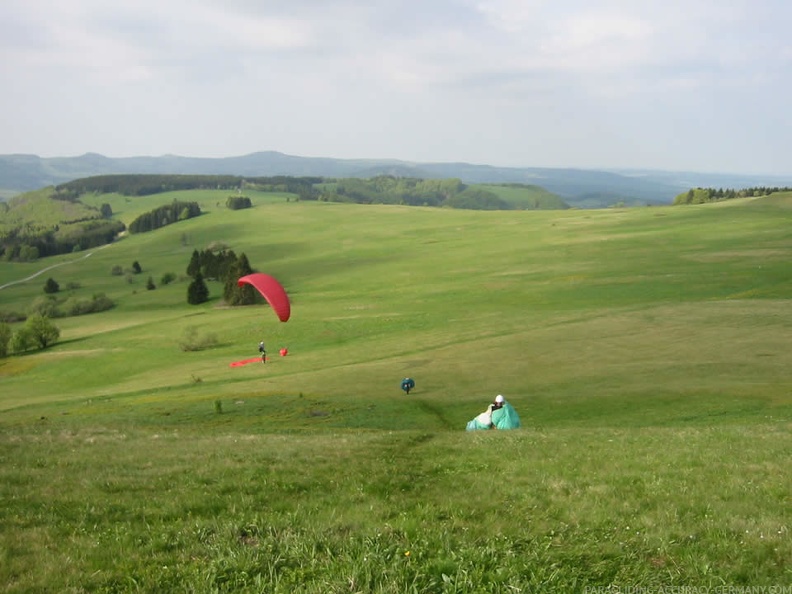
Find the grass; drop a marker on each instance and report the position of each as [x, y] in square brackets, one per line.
[645, 349]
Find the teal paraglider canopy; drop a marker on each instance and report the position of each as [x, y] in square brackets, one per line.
[499, 415]
[271, 290]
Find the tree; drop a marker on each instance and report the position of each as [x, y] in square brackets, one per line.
[150, 284]
[42, 331]
[136, 267]
[21, 341]
[5, 338]
[106, 210]
[197, 292]
[194, 267]
[233, 294]
[51, 286]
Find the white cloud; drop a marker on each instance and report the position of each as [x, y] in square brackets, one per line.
[502, 81]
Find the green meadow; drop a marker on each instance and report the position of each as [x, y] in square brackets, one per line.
[647, 351]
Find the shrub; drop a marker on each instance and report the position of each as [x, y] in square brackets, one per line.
[79, 307]
[168, 278]
[117, 270]
[10, 317]
[192, 340]
[44, 306]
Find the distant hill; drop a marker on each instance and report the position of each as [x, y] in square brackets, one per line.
[578, 187]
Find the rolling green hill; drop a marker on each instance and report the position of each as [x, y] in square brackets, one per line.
[646, 350]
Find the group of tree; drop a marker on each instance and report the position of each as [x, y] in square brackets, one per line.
[238, 202]
[165, 215]
[225, 266]
[52, 306]
[38, 332]
[148, 184]
[28, 243]
[382, 189]
[387, 189]
[704, 195]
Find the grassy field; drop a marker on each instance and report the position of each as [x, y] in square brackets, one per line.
[646, 350]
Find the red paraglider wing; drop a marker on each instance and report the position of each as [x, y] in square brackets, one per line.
[271, 290]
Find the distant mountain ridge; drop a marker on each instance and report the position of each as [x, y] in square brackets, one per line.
[579, 187]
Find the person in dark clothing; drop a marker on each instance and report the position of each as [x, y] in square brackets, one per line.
[407, 384]
[263, 352]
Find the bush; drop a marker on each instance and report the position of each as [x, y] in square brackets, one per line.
[117, 270]
[193, 341]
[10, 317]
[78, 307]
[167, 278]
[45, 306]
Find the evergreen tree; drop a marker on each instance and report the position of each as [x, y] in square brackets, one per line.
[194, 267]
[136, 267]
[233, 294]
[150, 284]
[51, 286]
[197, 292]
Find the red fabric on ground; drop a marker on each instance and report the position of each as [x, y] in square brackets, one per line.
[245, 362]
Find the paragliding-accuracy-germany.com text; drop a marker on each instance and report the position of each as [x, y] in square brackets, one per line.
[721, 589]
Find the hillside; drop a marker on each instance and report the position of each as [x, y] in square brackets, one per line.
[577, 187]
[645, 349]
[55, 221]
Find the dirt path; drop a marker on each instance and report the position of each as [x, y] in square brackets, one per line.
[43, 270]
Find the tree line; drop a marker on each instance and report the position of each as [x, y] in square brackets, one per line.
[148, 184]
[223, 265]
[30, 242]
[164, 215]
[382, 189]
[388, 189]
[704, 195]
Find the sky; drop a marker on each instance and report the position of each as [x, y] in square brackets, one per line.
[691, 85]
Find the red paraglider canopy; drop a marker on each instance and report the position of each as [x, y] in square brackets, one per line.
[271, 290]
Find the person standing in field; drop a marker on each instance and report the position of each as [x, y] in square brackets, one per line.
[263, 352]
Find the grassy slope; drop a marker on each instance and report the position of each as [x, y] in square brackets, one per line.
[39, 207]
[525, 196]
[646, 349]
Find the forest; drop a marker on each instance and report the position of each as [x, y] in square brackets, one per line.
[704, 195]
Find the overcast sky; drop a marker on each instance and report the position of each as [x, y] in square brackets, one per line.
[700, 85]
